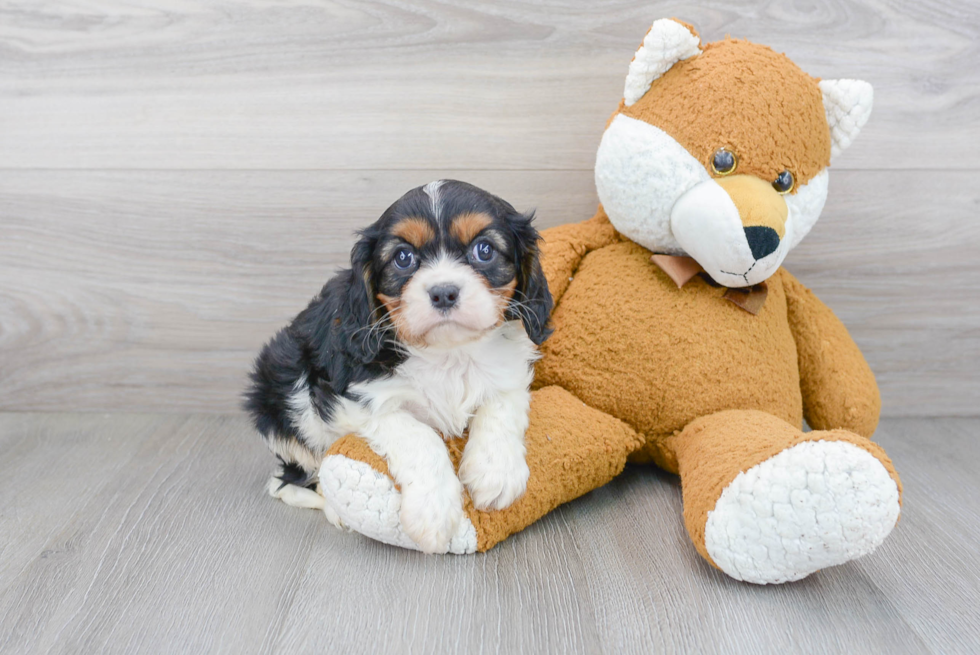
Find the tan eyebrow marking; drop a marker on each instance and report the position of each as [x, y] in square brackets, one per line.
[394, 306]
[416, 231]
[465, 227]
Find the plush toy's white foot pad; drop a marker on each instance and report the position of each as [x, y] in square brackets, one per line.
[367, 502]
[817, 504]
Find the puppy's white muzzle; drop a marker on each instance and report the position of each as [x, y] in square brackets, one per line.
[473, 311]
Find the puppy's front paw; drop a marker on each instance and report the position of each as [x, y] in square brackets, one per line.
[431, 512]
[494, 476]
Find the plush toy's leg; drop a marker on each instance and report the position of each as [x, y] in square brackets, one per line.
[571, 450]
[768, 503]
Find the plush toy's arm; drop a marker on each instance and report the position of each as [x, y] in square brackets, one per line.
[564, 246]
[571, 450]
[839, 389]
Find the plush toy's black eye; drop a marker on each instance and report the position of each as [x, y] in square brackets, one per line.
[784, 183]
[483, 251]
[723, 162]
[404, 259]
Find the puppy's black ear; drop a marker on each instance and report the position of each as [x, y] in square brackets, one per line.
[532, 301]
[360, 308]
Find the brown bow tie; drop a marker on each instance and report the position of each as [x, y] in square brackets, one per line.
[682, 269]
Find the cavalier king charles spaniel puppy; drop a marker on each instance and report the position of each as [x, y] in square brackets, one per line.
[431, 332]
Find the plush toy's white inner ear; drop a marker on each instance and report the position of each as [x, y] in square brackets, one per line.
[848, 107]
[667, 43]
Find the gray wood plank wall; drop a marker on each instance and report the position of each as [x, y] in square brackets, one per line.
[177, 179]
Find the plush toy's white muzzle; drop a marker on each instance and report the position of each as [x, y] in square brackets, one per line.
[707, 224]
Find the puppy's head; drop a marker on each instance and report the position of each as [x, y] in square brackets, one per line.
[448, 262]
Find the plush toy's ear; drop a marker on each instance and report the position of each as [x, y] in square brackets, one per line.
[667, 43]
[848, 106]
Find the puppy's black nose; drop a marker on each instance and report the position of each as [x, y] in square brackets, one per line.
[762, 240]
[444, 296]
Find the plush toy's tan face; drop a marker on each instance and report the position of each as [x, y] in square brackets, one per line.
[721, 152]
[748, 99]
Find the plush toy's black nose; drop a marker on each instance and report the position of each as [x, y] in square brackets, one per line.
[444, 296]
[762, 240]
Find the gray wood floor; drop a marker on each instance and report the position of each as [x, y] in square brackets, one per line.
[151, 533]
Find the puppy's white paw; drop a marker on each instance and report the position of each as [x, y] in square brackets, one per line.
[495, 475]
[293, 495]
[431, 511]
[333, 517]
[366, 501]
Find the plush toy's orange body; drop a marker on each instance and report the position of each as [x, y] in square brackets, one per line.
[679, 339]
[660, 379]
[711, 389]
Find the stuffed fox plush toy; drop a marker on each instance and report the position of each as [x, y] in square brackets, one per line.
[678, 338]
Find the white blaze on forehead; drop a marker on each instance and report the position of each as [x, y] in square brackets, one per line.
[432, 190]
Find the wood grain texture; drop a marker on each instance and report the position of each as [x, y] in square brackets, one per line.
[151, 533]
[303, 84]
[217, 157]
[153, 290]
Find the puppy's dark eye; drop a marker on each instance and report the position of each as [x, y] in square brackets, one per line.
[483, 252]
[404, 259]
[723, 162]
[784, 183]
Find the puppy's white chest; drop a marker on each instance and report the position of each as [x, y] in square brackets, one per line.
[449, 391]
[443, 388]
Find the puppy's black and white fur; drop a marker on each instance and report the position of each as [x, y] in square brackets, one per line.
[432, 331]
